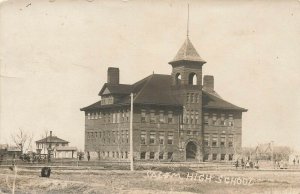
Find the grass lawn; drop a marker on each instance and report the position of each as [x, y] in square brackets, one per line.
[155, 181]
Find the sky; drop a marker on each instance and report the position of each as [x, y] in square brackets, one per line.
[54, 57]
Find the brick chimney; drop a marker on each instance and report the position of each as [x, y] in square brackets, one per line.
[113, 75]
[208, 82]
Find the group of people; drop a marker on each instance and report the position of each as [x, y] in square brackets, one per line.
[247, 164]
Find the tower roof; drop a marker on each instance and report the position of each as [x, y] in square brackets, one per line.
[187, 52]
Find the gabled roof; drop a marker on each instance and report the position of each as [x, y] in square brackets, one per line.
[52, 139]
[210, 101]
[187, 52]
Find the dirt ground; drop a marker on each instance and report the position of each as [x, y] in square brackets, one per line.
[154, 181]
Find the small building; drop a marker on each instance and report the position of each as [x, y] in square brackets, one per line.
[9, 152]
[58, 147]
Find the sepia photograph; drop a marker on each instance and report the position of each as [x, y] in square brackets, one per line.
[150, 96]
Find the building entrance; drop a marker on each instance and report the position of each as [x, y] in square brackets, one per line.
[191, 150]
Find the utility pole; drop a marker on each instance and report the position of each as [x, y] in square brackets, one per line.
[131, 132]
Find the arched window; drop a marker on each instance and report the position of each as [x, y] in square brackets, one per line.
[178, 78]
[193, 79]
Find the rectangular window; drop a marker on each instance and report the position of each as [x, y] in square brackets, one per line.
[118, 117]
[222, 141]
[230, 120]
[189, 132]
[170, 137]
[143, 137]
[192, 98]
[214, 156]
[196, 117]
[127, 139]
[206, 157]
[122, 136]
[214, 119]
[187, 117]
[114, 136]
[230, 157]
[187, 97]
[170, 117]
[206, 140]
[223, 156]
[206, 116]
[222, 119]
[170, 155]
[230, 141]
[161, 155]
[108, 117]
[143, 155]
[143, 116]
[89, 116]
[197, 98]
[214, 141]
[161, 117]
[152, 117]
[161, 137]
[152, 137]
[127, 116]
[152, 155]
[123, 116]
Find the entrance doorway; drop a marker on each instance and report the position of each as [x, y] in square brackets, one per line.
[191, 150]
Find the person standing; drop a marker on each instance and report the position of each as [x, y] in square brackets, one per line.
[88, 156]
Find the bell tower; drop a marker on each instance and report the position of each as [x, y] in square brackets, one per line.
[187, 88]
[187, 66]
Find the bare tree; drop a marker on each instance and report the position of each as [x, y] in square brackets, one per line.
[22, 140]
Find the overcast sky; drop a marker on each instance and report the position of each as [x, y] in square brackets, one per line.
[55, 55]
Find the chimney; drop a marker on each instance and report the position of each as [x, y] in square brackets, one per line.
[208, 82]
[50, 133]
[113, 75]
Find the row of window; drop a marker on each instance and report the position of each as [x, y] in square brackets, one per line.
[218, 119]
[114, 154]
[108, 117]
[192, 98]
[214, 141]
[161, 155]
[107, 100]
[191, 117]
[46, 145]
[108, 137]
[214, 156]
[153, 139]
[153, 118]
